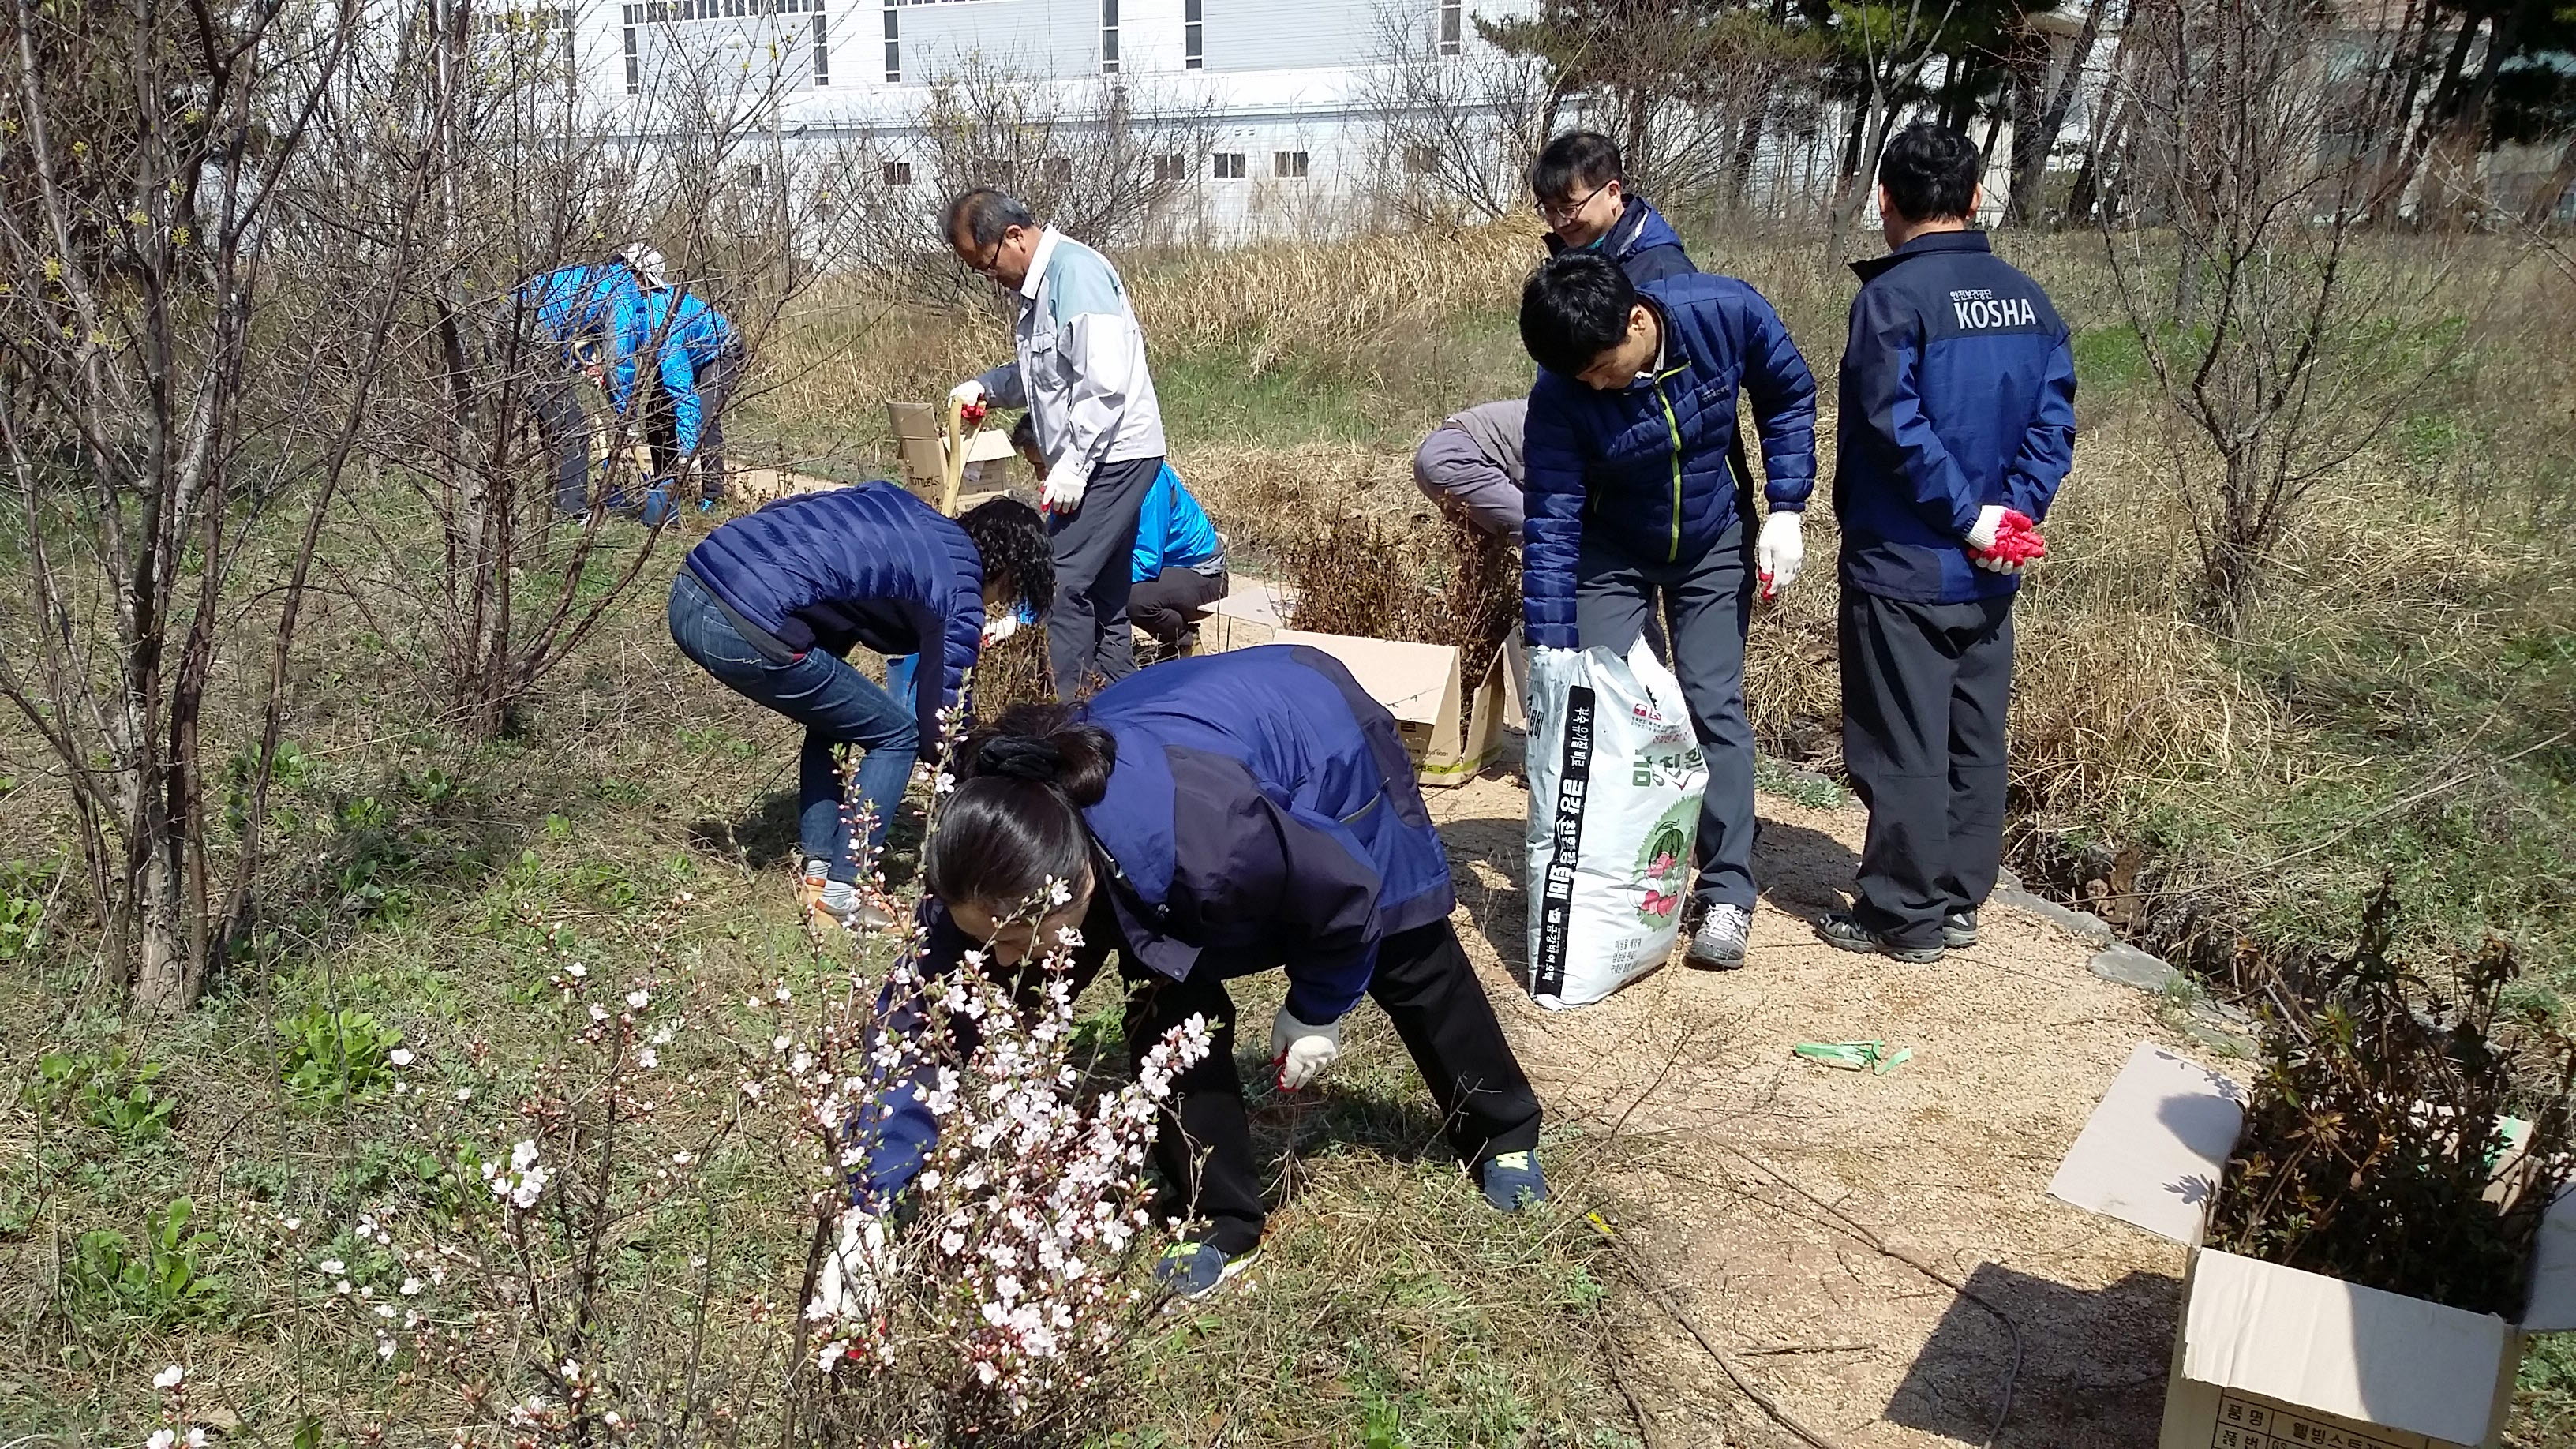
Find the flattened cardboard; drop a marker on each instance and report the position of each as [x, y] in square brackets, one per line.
[2321, 1343]
[2552, 1308]
[2152, 1153]
[1418, 684]
[1252, 611]
[2205, 1416]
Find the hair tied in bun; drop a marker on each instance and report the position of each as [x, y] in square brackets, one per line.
[1020, 757]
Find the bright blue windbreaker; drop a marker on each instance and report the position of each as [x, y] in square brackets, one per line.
[1645, 469]
[580, 301]
[1172, 531]
[1957, 391]
[685, 334]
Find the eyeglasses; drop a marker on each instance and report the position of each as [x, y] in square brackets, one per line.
[1564, 211]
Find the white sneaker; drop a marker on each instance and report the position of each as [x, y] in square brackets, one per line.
[1718, 944]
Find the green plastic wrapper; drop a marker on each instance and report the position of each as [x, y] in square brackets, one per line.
[1855, 1056]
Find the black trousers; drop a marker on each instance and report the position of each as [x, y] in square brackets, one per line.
[1204, 1151]
[1162, 605]
[1088, 636]
[1926, 688]
[566, 428]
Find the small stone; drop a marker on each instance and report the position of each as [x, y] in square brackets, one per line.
[2084, 924]
[2130, 966]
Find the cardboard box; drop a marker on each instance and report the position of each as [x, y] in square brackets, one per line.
[1252, 612]
[1419, 685]
[2267, 1357]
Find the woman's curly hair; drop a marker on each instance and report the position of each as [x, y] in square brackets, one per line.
[1012, 539]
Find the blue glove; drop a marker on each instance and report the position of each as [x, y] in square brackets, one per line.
[706, 505]
[657, 502]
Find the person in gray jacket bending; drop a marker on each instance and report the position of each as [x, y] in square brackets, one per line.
[1471, 464]
[1078, 366]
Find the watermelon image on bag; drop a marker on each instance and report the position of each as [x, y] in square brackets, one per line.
[1615, 782]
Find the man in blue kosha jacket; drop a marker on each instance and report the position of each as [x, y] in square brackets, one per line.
[1958, 404]
[1633, 500]
[1582, 195]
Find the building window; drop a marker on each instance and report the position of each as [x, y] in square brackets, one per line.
[1174, 167]
[1452, 27]
[822, 49]
[1421, 160]
[1192, 56]
[896, 173]
[1109, 37]
[894, 50]
[634, 58]
[1287, 163]
[1229, 165]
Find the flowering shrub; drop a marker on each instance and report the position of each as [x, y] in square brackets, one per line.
[997, 1300]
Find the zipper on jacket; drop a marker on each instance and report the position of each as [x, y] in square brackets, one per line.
[1673, 554]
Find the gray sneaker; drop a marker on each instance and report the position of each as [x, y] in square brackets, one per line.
[1718, 944]
[1959, 930]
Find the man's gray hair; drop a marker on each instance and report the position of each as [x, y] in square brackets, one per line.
[984, 213]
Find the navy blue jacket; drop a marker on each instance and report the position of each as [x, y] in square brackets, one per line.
[1646, 469]
[871, 565]
[1641, 242]
[1957, 391]
[1261, 813]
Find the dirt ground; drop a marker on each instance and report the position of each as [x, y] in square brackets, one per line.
[1754, 1183]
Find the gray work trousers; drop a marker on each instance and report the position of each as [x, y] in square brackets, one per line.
[1088, 638]
[1707, 605]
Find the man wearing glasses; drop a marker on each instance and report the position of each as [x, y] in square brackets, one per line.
[1585, 202]
[1079, 368]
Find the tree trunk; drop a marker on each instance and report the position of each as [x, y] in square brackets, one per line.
[2032, 149]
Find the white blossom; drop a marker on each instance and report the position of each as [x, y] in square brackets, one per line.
[169, 1377]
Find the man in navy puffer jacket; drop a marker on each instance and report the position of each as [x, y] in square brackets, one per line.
[1632, 498]
[1958, 405]
[1580, 186]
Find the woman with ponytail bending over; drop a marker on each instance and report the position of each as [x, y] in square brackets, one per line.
[1215, 817]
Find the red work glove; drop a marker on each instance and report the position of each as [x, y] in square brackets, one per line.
[2011, 544]
[972, 413]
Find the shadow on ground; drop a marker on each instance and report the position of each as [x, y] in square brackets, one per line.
[2120, 1336]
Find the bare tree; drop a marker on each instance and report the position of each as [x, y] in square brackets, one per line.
[2254, 174]
[146, 438]
[476, 550]
[1893, 47]
[1453, 135]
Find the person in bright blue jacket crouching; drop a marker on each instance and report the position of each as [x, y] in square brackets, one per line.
[1216, 817]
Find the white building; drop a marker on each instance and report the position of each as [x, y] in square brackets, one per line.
[1279, 92]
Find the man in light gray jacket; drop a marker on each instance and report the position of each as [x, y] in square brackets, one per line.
[1473, 461]
[1079, 368]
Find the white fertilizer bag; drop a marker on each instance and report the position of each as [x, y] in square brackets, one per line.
[1615, 778]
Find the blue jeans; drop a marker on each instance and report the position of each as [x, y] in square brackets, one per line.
[836, 704]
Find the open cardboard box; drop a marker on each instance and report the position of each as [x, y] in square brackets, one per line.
[1419, 684]
[2268, 1357]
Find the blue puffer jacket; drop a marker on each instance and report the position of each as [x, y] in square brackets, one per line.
[574, 302]
[1957, 391]
[871, 565]
[1645, 469]
[1261, 813]
[1643, 244]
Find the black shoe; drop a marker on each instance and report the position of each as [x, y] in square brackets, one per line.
[1843, 933]
[1959, 930]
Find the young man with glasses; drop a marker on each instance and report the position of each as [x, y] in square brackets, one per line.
[1584, 200]
[1079, 368]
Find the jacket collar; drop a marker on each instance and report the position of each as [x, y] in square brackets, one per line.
[1924, 245]
[1038, 262]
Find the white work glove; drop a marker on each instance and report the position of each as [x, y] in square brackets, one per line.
[1302, 1052]
[969, 393]
[854, 1274]
[1990, 521]
[1993, 565]
[1001, 626]
[1060, 493]
[1780, 552]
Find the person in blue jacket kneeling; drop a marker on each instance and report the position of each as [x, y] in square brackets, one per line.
[1180, 557]
[1217, 817]
[773, 602]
